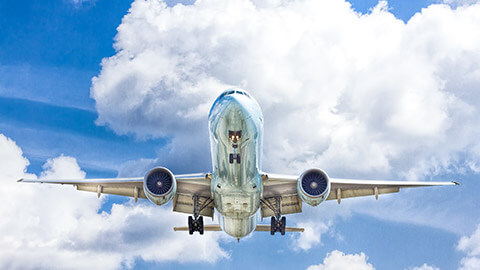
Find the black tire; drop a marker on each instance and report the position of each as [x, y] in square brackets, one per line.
[190, 225]
[238, 158]
[283, 223]
[231, 158]
[273, 226]
[200, 225]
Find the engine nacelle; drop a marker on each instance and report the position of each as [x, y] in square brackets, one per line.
[313, 186]
[159, 185]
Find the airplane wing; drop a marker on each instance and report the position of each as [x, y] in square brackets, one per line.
[188, 185]
[285, 187]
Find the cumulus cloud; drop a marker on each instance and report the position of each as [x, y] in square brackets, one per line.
[337, 260]
[47, 226]
[471, 246]
[347, 85]
[311, 236]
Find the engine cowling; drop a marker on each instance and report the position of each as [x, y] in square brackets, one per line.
[313, 186]
[159, 185]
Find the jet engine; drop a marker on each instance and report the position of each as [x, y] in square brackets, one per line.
[313, 186]
[159, 185]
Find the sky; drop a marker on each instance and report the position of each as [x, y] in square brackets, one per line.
[361, 89]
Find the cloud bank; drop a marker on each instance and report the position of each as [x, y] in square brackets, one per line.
[47, 226]
[347, 85]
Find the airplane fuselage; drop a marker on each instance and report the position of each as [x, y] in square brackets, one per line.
[236, 130]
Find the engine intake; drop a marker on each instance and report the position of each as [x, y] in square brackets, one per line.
[313, 186]
[159, 185]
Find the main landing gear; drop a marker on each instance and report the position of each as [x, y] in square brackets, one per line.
[195, 223]
[278, 223]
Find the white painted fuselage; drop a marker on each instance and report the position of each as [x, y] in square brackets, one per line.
[236, 129]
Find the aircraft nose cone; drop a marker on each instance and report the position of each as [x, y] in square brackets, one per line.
[233, 108]
[233, 103]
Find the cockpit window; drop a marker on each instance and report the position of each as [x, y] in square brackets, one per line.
[226, 93]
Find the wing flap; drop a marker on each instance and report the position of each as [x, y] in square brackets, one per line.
[289, 204]
[201, 188]
[359, 192]
[183, 203]
[125, 190]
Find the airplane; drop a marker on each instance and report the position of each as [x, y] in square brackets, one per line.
[237, 189]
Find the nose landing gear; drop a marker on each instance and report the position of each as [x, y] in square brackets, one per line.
[235, 137]
[234, 157]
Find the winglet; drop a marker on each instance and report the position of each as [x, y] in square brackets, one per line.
[456, 183]
[20, 180]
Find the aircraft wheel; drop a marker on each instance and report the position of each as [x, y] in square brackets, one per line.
[273, 226]
[283, 223]
[190, 225]
[200, 225]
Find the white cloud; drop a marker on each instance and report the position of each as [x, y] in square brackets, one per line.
[311, 236]
[470, 263]
[62, 167]
[471, 246]
[337, 260]
[424, 267]
[347, 85]
[48, 226]
[457, 3]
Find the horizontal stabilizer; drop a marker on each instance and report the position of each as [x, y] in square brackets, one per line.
[207, 228]
[259, 228]
[266, 228]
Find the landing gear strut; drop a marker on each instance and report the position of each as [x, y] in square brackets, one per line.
[195, 223]
[278, 222]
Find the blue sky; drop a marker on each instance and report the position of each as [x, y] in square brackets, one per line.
[51, 50]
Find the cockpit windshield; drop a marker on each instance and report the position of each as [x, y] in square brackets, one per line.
[236, 91]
